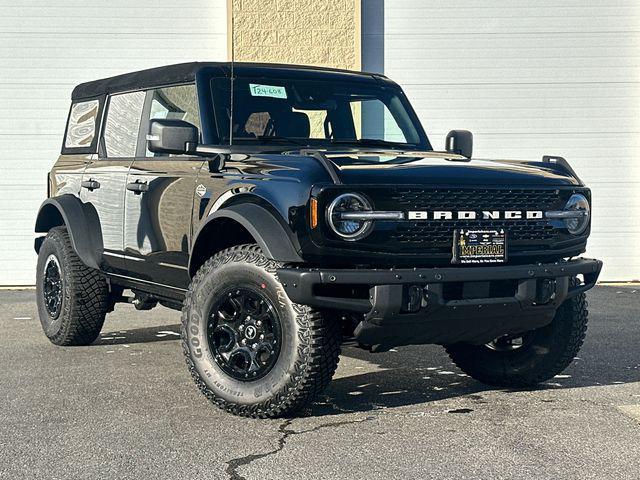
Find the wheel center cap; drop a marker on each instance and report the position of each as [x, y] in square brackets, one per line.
[250, 332]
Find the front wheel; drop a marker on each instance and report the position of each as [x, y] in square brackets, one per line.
[250, 350]
[530, 358]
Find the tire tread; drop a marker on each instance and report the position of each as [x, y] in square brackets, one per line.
[572, 315]
[322, 340]
[88, 295]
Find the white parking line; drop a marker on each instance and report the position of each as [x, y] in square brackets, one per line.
[631, 410]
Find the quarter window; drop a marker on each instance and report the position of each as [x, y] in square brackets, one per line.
[81, 129]
[123, 124]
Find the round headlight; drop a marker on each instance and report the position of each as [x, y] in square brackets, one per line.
[349, 229]
[577, 203]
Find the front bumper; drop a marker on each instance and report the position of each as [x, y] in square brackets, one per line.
[393, 317]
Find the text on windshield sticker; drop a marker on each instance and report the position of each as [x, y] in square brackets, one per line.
[273, 91]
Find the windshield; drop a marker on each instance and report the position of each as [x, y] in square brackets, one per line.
[315, 113]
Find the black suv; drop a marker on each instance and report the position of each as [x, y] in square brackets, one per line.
[287, 209]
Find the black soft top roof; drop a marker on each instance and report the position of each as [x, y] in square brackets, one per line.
[186, 73]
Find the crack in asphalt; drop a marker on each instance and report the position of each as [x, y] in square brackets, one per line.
[285, 432]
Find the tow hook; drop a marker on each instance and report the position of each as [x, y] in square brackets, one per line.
[545, 291]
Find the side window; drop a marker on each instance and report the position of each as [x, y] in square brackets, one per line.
[373, 120]
[81, 129]
[123, 124]
[318, 124]
[179, 103]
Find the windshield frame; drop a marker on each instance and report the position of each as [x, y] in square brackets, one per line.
[216, 132]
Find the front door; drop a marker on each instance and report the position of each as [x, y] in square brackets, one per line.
[104, 179]
[159, 197]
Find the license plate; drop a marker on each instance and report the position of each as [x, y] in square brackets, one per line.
[479, 246]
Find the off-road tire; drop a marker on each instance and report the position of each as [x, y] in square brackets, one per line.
[545, 352]
[310, 345]
[85, 294]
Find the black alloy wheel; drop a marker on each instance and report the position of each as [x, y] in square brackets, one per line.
[508, 343]
[244, 333]
[52, 287]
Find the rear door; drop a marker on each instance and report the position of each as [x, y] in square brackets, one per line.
[104, 179]
[157, 230]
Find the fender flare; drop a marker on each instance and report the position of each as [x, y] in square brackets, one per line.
[275, 240]
[82, 223]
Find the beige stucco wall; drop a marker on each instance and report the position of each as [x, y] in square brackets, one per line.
[310, 32]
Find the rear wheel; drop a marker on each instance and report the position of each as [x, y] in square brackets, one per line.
[532, 357]
[72, 298]
[250, 350]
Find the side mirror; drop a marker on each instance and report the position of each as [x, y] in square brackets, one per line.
[172, 136]
[460, 142]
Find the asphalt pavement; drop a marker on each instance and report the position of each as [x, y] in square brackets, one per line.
[125, 407]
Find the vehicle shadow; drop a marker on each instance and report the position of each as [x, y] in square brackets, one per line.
[406, 376]
[417, 375]
[423, 374]
[160, 333]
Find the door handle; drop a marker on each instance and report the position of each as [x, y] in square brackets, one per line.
[90, 184]
[138, 187]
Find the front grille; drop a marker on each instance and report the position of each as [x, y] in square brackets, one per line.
[475, 199]
[441, 232]
[437, 235]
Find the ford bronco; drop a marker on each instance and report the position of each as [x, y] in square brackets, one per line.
[286, 210]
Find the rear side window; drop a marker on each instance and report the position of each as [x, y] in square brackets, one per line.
[123, 124]
[81, 128]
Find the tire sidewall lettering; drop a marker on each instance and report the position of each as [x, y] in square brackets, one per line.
[245, 392]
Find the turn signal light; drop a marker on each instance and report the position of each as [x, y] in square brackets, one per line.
[313, 217]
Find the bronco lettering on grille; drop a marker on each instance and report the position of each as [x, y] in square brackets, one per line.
[472, 215]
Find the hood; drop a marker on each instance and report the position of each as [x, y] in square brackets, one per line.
[435, 168]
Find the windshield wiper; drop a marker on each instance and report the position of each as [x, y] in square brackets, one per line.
[270, 138]
[373, 142]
